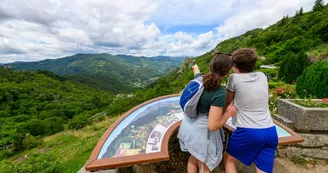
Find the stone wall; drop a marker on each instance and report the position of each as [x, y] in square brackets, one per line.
[304, 119]
[315, 146]
[311, 124]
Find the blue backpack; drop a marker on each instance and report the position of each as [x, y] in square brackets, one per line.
[190, 97]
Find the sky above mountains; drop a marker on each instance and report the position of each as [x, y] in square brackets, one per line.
[33, 30]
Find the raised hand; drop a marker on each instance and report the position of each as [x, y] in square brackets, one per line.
[195, 69]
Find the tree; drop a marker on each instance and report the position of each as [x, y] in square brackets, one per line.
[301, 11]
[314, 80]
[293, 66]
[318, 5]
[283, 21]
[298, 15]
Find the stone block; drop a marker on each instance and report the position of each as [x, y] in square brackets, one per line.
[317, 153]
[304, 119]
[285, 121]
[313, 140]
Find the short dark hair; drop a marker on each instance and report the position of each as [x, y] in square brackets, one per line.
[244, 59]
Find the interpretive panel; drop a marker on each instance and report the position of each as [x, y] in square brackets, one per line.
[142, 131]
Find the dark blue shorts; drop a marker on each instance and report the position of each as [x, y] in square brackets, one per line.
[254, 145]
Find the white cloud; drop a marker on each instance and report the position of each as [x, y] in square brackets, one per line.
[184, 37]
[180, 44]
[260, 14]
[52, 29]
[204, 40]
[35, 30]
[6, 48]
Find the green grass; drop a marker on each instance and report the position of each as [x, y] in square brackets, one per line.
[63, 152]
[319, 52]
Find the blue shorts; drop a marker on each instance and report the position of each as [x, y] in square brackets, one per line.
[254, 145]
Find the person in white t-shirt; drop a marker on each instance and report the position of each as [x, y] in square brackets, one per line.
[255, 139]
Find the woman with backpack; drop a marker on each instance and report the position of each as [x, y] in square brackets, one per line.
[201, 136]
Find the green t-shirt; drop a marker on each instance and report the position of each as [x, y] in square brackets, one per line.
[212, 98]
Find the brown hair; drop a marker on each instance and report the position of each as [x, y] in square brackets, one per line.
[219, 67]
[244, 59]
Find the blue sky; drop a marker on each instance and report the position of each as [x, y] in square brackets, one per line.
[193, 30]
[48, 29]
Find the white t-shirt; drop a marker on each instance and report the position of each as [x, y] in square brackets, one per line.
[251, 99]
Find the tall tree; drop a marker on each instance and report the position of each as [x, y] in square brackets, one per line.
[283, 21]
[297, 13]
[318, 5]
[301, 11]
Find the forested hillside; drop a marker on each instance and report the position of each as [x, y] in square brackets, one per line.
[117, 74]
[37, 104]
[303, 33]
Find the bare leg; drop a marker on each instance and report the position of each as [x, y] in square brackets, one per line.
[229, 163]
[203, 167]
[259, 170]
[192, 165]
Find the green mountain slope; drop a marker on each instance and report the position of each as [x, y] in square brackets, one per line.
[40, 103]
[305, 32]
[116, 74]
[64, 152]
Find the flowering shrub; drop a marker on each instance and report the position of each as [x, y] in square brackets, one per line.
[325, 100]
[279, 91]
[284, 91]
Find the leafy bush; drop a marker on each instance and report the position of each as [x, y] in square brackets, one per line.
[274, 85]
[5, 154]
[281, 90]
[270, 72]
[314, 80]
[292, 67]
[31, 141]
[33, 163]
[99, 118]
[78, 122]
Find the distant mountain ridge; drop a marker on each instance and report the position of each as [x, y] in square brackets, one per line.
[117, 74]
